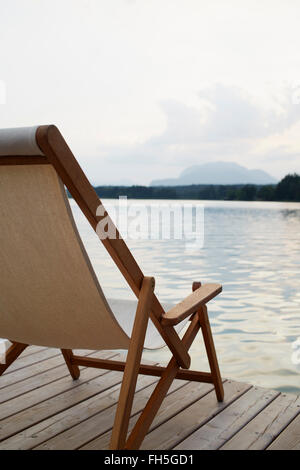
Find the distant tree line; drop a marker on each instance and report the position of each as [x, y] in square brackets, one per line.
[288, 189]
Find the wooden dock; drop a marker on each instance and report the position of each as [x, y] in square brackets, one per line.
[41, 407]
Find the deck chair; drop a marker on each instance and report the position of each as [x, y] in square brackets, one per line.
[50, 295]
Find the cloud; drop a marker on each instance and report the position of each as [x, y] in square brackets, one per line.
[227, 113]
[280, 153]
[225, 123]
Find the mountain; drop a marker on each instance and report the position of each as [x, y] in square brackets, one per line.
[217, 173]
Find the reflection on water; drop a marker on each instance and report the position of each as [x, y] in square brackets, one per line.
[253, 250]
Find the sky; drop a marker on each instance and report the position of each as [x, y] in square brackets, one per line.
[142, 89]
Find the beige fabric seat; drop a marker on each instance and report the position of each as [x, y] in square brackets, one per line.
[48, 289]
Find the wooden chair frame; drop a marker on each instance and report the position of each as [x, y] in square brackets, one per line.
[57, 153]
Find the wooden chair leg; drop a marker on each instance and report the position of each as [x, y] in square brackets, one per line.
[148, 414]
[11, 355]
[73, 368]
[119, 432]
[211, 352]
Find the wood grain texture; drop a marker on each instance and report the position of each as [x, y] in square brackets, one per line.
[9, 379]
[25, 368]
[46, 372]
[26, 361]
[176, 429]
[267, 425]
[11, 355]
[81, 416]
[146, 369]
[70, 416]
[191, 304]
[47, 401]
[223, 426]
[101, 421]
[289, 438]
[178, 398]
[73, 368]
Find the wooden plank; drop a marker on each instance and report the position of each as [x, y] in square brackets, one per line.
[82, 416]
[37, 395]
[35, 368]
[33, 350]
[26, 361]
[224, 425]
[65, 419]
[29, 399]
[11, 355]
[289, 438]
[66, 394]
[100, 421]
[54, 428]
[176, 400]
[30, 371]
[31, 383]
[176, 429]
[103, 422]
[266, 426]
[179, 400]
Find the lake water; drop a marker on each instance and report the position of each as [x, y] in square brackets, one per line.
[253, 250]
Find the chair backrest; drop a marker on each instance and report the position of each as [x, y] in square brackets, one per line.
[49, 293]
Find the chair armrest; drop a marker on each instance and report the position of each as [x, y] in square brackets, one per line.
[191, 304]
